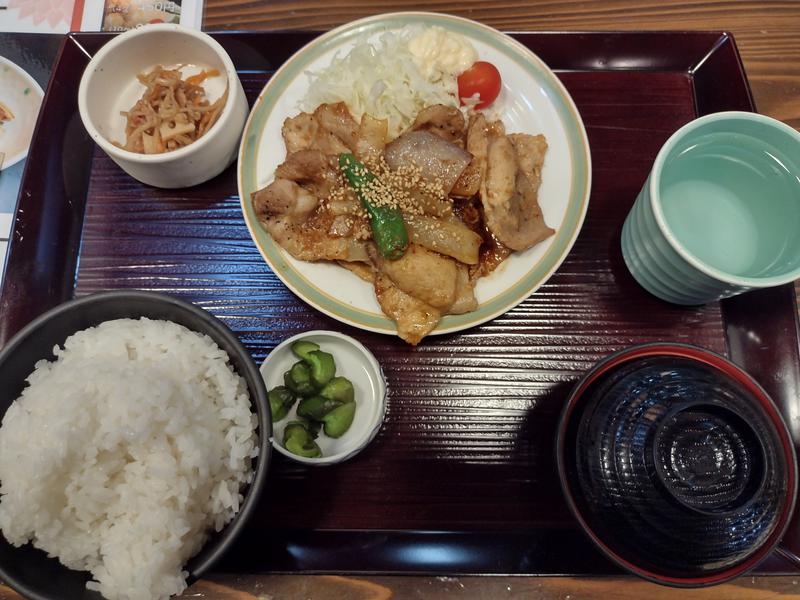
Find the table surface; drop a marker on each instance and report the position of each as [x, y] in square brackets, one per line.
[768, 36]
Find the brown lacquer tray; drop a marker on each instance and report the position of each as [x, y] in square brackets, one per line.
[462, 478]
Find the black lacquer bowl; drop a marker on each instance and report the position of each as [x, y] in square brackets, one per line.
[30, 571]
[676, 464]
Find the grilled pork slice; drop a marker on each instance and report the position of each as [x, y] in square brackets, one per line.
[332, 130]
[425, 275]
[445, 121]
[465, 300]
[305, 132]
[338, 120]
[477, 144]
[413, 317]
[362, 270]
[284, 198]
[510, 197]
[530, 150]
[469, 182]
[294, 219]
[312, 169]
[479, 132]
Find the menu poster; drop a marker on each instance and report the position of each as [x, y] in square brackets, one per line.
[121, 15]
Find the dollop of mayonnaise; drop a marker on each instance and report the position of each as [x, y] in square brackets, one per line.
[440, 53]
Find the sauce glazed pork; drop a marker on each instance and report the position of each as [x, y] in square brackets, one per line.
[467, 193]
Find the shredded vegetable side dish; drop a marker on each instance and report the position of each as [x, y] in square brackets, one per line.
[172, 113]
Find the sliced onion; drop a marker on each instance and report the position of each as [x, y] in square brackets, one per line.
[439, 161]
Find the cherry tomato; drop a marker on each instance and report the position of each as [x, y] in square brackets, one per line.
[153, 21]
[483, 79]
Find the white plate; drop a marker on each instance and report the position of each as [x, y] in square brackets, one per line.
[532, 100]
[353, 361]
[23, 96]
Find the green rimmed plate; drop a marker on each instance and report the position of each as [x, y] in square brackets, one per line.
[532, 100]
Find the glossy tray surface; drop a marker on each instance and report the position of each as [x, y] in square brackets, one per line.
[462, 478]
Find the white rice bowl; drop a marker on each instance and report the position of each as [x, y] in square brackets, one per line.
[125, 453]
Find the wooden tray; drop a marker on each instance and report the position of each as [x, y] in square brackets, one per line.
[461, 478]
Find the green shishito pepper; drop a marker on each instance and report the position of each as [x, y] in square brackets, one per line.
[298, 440]
[388, 228]
[281, 400]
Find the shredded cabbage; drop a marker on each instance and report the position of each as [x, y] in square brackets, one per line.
[381, 79]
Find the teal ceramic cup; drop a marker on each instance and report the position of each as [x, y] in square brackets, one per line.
[720, 212]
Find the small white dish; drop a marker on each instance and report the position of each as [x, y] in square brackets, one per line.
[353, 361]
[23, 96]
[109, 86]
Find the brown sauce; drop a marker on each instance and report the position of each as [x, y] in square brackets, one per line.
[492, 252]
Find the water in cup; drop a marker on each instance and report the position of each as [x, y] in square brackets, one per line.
[731, 201]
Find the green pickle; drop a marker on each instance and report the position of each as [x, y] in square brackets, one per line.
[326, 401]
[313, 427]
[299, 379]
[301, 348]
[298, 440]
[316, 407]
[281, 400]
[339, 389]
[338, 421]
[323, 367]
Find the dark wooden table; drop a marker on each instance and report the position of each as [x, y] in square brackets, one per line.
[768, 37]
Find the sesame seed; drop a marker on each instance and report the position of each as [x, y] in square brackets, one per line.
[404, 189]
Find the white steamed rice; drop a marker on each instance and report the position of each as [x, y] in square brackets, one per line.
[123, 454]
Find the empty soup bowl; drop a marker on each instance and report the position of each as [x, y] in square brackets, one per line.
[677, 464]
[720, 211]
